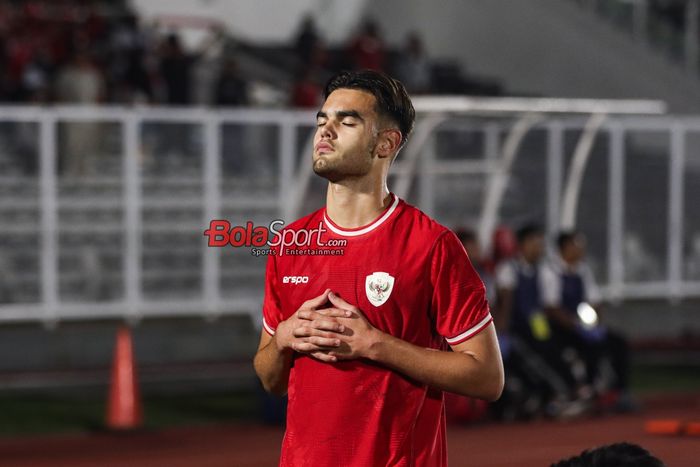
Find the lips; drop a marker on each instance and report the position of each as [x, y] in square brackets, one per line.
[323, 147]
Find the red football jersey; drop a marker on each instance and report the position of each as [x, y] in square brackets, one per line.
[411, 277]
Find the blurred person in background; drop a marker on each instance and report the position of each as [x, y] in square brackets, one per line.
[175, 69]
[128, 72]
[572, 301]
[36, 78]
[232, 91]
[185, 75]
[79, 82]
[504, 245]
[538, 381]
[413, 65]
[231, 86]
[4, 78]
[308, 44]
[367, 49]
[306, 92]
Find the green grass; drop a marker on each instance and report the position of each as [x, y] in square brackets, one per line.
[41, 413]
[34, 414]
[650, 379]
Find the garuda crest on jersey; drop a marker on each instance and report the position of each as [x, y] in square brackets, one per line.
[378, 286]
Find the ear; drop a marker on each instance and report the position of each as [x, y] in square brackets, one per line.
[388, 143]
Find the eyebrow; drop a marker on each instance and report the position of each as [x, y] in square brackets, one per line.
[341, 114]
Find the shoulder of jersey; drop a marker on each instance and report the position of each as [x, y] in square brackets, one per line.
[421, 223]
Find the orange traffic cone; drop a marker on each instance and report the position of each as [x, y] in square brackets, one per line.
[124, 411]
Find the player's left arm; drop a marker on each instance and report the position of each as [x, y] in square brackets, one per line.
[474, 368]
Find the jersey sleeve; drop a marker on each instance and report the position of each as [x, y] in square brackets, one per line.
[459, 302]
[272, 309]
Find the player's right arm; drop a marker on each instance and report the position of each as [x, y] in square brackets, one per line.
[272, 364]
[306, 332]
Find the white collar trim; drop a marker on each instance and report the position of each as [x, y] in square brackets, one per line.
[369, 228]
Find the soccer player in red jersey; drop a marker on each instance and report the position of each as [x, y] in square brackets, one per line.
[361, 341]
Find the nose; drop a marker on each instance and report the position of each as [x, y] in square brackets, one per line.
[326, 131]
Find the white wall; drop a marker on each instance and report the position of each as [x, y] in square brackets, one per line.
[548, 47]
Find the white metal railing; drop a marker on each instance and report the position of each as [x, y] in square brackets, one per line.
[421, 163]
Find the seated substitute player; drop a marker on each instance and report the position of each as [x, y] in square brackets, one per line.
[567, 282]
[359, 343]
[529, 355]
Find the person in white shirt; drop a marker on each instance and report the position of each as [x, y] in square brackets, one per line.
[530, 354]
[569, 294]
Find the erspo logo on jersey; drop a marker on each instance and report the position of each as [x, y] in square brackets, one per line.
[273, 239]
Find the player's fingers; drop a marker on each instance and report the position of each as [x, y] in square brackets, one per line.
[307, 331]
[302, 331]
[327, 325]
[340, 303]
[324, 341]
[324, 357]
[316, 301]
[308, 347]
[334, 312]
[304, 347]
[309, 314]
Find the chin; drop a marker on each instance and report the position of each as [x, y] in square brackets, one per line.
[323, 170]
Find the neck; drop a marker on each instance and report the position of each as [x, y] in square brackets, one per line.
[355, 203]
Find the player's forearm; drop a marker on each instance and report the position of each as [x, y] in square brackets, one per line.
[272, 367]
[461, 373]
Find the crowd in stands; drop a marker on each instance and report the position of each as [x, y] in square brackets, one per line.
[367, 49]
[562, 359]
[90, 52]
[87, 52]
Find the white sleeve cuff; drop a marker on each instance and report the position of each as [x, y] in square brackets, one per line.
[267, 328]
[470, 332]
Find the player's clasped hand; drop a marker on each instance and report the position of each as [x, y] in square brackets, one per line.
[359, 336]
[327, 328]
[311, 332]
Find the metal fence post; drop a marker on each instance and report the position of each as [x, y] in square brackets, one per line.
[49, 218]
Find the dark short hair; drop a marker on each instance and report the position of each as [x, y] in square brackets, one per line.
[527, 231]
[613, 455]
[565, 237]
[390, 95]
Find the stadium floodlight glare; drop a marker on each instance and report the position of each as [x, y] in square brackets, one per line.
[491, 105]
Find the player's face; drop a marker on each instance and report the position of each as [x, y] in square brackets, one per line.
[346, 135]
